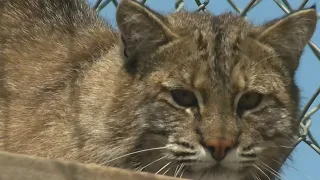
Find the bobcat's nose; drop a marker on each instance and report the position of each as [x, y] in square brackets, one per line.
[219, 147]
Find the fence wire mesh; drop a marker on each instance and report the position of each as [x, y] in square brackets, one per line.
[308, 111]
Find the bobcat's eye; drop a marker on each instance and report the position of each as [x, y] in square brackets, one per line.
[247, 101]
[184, 98]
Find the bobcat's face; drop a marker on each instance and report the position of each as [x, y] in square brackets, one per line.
[217, 110]
[219, 94]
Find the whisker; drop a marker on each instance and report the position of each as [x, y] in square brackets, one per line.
[182, 173]
[262, 171]
[254, 176]
[258, 177]
[163, 167]
[181, 167]
[294, 169]
[152, 163]
[166, 171]
[272, 171]
[176, 171]
[288, 147]
[136, 152]
[286, 164]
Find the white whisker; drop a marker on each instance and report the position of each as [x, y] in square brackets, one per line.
[175, 172]
[136, 152]
[166, 171]
[152, 163]
[163, 167]
[292, 168]
[272, 171]
[182, 173]
[261, 171]
[254, 176]
[288, 147]
[258, 177]
[181, 167]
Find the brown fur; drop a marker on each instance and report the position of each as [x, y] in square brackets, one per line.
[73, 88]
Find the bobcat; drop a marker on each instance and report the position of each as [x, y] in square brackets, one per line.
[191, 95]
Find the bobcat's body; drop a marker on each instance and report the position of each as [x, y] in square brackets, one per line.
[44, 62]
[73, 88]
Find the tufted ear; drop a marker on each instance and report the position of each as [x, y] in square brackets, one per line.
[289, 35]
[142, 30]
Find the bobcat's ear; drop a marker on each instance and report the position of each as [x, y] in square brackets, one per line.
[142, 30]
[289, 35]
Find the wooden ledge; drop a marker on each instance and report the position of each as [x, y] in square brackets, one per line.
[22, 167]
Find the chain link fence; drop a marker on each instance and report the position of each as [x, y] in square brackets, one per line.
[307, 112]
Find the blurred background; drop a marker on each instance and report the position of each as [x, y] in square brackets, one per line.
[305, 164]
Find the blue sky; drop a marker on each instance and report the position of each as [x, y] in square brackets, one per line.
[306, 162]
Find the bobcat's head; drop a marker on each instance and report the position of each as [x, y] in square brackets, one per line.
[214, 96]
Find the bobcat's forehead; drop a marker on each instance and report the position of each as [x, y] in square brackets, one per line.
[217, 40]
[221, 52]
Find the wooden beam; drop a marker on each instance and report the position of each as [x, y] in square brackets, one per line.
[22, 167]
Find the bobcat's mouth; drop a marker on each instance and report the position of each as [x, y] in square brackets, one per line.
[200, 171]
[211, 167]
[214, 168]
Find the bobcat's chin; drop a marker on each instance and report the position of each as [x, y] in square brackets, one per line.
[233, 166]
[202, 171]
[216, 172]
